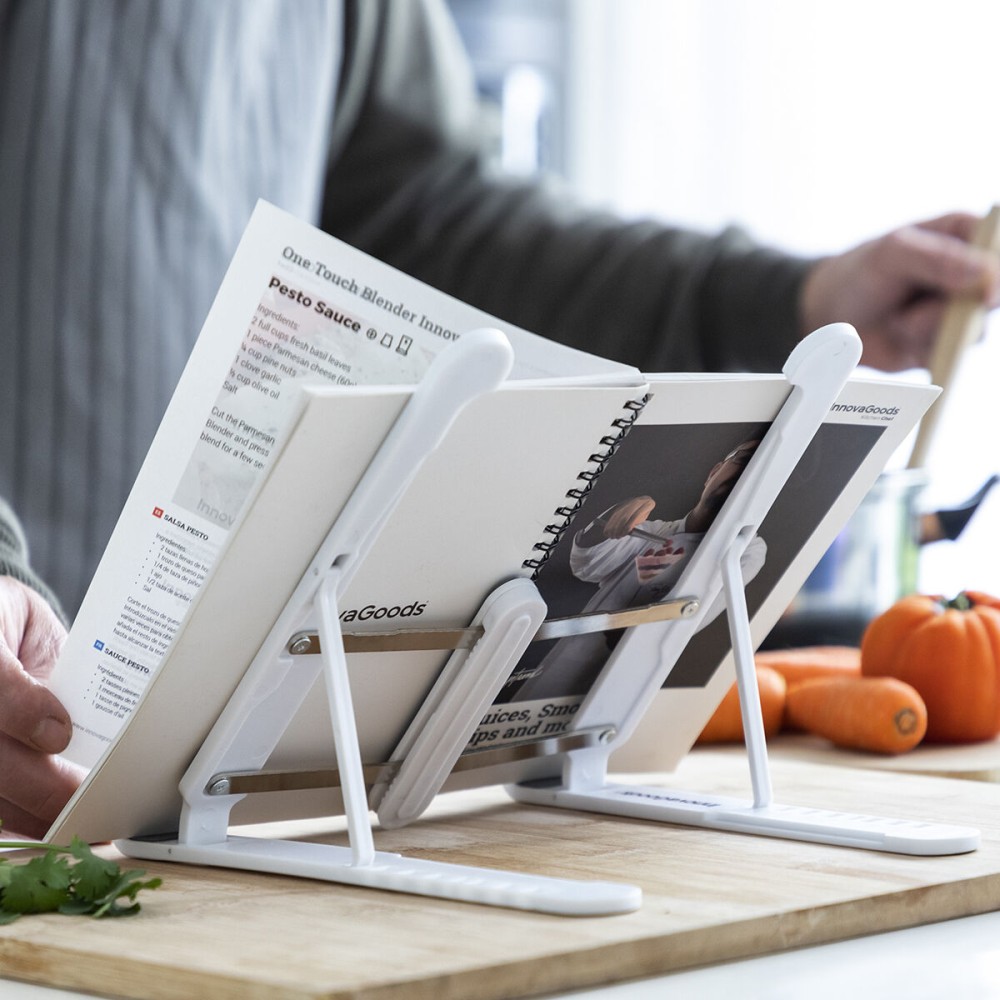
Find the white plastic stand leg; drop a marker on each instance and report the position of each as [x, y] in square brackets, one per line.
[345, 731]
[746, 676]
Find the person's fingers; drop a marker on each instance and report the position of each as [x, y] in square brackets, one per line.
[937, 261]
[43, 638]
[29, 712]
[38, 784]
[907, 340]
[15, 822]
[961, 225]
[917, 325]
[30, 627]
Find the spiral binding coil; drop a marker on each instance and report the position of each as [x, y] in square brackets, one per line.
[611, 443]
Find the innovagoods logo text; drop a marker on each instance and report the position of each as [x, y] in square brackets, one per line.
[868, 408]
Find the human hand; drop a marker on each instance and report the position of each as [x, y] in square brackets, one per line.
[894, 289]
[652, 562]
[34, 726]
[624, 516]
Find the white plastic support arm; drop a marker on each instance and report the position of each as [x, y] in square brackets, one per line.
[345, 730]
[746, 674]
[461, 696]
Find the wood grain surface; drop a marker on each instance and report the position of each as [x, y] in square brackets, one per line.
[708, 897]
[969, 761]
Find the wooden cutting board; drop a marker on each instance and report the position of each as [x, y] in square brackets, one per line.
[971, 761]
[708, 897]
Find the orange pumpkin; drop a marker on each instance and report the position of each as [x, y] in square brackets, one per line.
[950, 652]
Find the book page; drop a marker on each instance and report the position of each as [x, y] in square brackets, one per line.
[297, 308]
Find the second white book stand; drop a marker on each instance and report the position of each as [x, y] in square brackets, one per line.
[307, 642]
[817, 370]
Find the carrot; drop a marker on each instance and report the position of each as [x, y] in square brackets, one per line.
[726, 724]
[880, 714]
[806, 662]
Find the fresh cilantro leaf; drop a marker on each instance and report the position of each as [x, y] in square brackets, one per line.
[68, 879]
[94, 876]
[40, 886]
[126, 886]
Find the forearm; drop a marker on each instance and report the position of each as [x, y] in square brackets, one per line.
[408, 184]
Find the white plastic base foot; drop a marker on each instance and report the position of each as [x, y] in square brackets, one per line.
[394, 872]
[824, 826]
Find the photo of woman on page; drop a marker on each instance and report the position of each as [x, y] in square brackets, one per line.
[633, 558]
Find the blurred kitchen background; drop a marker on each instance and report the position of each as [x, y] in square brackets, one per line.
[814, 125]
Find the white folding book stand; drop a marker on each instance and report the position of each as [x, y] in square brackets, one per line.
[307, 641]
[816, 370]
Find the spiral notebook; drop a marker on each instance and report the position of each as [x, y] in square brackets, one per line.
[681, 449]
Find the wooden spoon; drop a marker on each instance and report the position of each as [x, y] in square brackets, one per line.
[962, 324]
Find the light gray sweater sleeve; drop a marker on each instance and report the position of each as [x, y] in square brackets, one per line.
[14, 556]
[407, 151]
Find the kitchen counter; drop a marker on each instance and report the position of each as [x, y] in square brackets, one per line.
[958, 958]
[722, 902]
